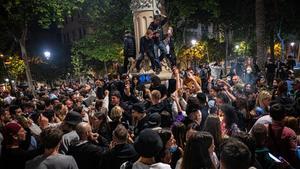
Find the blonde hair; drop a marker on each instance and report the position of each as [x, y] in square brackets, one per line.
[148, 32]
[155, 94]
[116, 113]
[262, 96]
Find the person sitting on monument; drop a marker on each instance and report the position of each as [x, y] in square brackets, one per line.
[147, 48]
[157, 27]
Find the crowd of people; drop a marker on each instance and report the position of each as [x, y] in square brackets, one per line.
[195, 120]
[191, 121]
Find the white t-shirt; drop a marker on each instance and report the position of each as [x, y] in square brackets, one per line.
[139, 165]
[214, 160]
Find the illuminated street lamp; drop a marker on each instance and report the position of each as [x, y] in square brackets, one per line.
[292, 44]
[6, 80]
[193, 42]
[47, 55]
[237, 47]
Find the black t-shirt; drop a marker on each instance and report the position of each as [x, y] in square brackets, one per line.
[86, 155]
[146, 45]
[156, 40]
[158, 27]
[270, 68]
[118, 155]
[291, 63]
[141, 125]
[158, 108]
[15, 158]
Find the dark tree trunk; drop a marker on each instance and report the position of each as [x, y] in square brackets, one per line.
[272, 44]
[260, 33]
[22, 43]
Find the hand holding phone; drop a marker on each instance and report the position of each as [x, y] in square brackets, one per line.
[274, 158]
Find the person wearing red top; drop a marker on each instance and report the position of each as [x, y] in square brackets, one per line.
[282, 140]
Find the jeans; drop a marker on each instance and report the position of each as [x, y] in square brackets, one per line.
[162, 48]
[155, 64]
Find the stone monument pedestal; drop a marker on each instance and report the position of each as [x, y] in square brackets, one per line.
[143, 15]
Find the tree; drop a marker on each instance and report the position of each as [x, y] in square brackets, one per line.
[194, 54]
[216, 50]
[229, 17]
[15, 66]
[19, 15]
[260, 33]
[188, 13]
[277, 50]
[93, 49]
[97, 47]
[110, 19]
[77, 65]
[242, 48]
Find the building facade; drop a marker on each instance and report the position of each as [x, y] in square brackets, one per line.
[75, 28]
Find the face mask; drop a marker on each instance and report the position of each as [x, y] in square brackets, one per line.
[173, 149]
[248, 70]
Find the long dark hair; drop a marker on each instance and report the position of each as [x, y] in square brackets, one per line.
[179, 131]
[213, 126]
[135, 77]
[282, 88]
[229, 114]
[196, 155]
[165, 136]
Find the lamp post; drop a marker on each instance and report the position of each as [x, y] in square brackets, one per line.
[293, 51]
[47, 55]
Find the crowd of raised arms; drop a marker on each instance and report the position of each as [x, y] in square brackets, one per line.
[195, 120]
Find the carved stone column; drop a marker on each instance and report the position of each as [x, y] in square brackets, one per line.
[143, 12]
